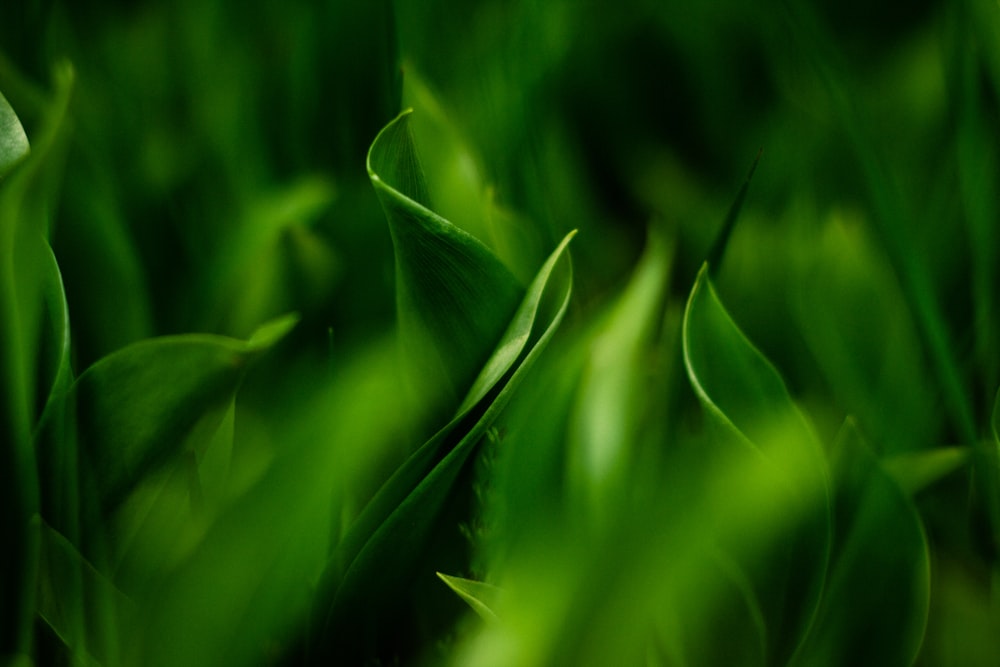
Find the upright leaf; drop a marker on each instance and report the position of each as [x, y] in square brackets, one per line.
[81, 605]
[25, 276]
[611, 400]
[454, 297]
[374, 567]
[743, 392]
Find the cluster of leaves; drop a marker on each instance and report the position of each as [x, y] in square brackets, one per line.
[461, 447]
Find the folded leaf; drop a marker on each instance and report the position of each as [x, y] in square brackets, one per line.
[743, 392]
[454, 297]
[376, 559]
[136, 405]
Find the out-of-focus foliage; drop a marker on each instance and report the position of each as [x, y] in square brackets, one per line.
[537, 384]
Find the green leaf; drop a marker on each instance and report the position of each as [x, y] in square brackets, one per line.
[917, 471]
[247, 283]
[880, 563]
[378, 555]
[846, 292]
[731, 377]
[81, 605]
[480, 596]
[26, 197]
[54, 364]
[13, 142]
[612, 394]
[454, 297]
[283, 494]
[55, 436]
[742, 391]
[136, 405]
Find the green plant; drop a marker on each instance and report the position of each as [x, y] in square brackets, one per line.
[542, 384]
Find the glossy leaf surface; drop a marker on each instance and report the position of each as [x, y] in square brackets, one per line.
[743, 392]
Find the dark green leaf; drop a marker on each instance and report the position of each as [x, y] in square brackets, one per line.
[55, 435]
[714, 258]
[880, 562]
[379, 553]
[81, 605]
[454, 296]
[26, 197]
[136, 405]
[919, 470]
[845, 294]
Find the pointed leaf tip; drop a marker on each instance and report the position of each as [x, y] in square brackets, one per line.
[272, 331]
[714, 258]
[480, 596]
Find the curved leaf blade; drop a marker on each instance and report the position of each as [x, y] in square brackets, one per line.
[378, 556]
[136, 405]
[25, 195]
[454, 297]
[741, 390]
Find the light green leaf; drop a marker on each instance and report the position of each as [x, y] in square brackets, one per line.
[880, 562]
[454, 297]
[742, 391]
[13, 142]
[136, 405]
[481, 597]
[612, 397]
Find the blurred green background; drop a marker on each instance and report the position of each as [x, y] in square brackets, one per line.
[210, 176]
